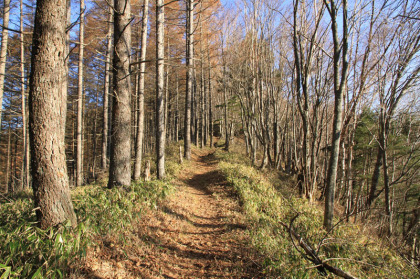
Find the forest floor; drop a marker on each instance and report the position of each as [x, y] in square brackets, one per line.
[197, 232]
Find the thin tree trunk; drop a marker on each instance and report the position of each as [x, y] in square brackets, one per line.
[383, 143]
[48, 105]
[140, 117]
[79, 153]
[8, 159]
[375, 177]
[206, 109]
[120, 163]
[195, 108]
[210, 104]
[160, 101]
[95, 121]
[3, 51]
[107, 86]
[166, 98]
[202, 90]
[339, 83]
[16, 186]
[25, 161]
[177, 122]
[188, 95]
[225, 107]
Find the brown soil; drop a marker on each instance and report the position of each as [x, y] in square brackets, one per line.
[197, 232]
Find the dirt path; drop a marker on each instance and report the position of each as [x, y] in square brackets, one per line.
[198, 232]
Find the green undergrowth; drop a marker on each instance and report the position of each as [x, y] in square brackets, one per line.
[262, 195]
[27, 251]
[172, 160]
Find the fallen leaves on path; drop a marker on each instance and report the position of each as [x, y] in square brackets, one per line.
[197, 232]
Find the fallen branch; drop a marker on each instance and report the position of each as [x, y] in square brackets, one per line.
[312, 255]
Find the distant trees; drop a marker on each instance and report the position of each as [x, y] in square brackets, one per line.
[303, 100]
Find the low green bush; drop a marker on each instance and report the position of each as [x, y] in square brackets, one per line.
[26, 251]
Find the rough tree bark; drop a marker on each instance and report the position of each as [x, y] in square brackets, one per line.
[47, 105]
[120, 163]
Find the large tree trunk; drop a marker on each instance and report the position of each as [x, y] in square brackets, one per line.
[79, 153]
[107, 83]
[3, 51]
[120, 164]
[188, 95]
[160, 103]
[140, 105]
[48, 105]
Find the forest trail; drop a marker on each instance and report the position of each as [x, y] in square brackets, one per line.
[197, 232]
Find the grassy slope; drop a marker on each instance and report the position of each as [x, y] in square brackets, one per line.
[26, 251]
[268, 199]
[29, 252]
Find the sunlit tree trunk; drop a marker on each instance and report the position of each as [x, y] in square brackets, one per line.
[188, 95]
[107, 86]
[177, 122]
[47, 106]
[210, 102]
[25, 162]
[120, 160]
[3, 51]
[79, 153]
[340, 51]
[140, 106]
[160, 101]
